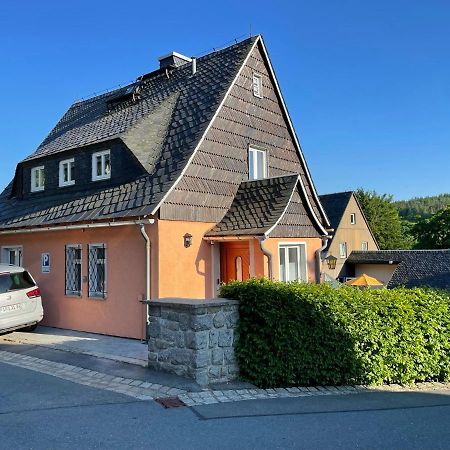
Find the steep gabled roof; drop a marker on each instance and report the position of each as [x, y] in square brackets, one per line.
[162, 129]
[415, 268]
[257, 207]
[335, 205]
[162, 119]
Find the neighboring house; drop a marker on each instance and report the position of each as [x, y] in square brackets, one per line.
[409, 268]
[351, 229]
[189, 177]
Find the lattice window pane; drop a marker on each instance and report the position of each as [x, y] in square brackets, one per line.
[73, 269]
[97, 270]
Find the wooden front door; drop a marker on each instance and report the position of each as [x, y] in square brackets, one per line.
[234, 261]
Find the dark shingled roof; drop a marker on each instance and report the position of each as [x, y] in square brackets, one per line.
[334, 205]
[162, 129]
[257, 207]
[416, 268]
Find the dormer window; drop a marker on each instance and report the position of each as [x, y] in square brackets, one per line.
[101, 165]
[257, 85]
[66, 169]
[37, 179]
[257, 166]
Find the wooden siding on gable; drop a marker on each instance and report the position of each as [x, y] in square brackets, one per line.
[210, 182]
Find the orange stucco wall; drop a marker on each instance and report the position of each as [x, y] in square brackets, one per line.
[312, 244]
[121, 313]
[184, 272]
[176, 271]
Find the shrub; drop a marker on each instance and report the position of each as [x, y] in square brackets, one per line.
[306, 334]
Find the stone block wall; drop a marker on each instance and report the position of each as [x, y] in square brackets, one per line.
[194, 338]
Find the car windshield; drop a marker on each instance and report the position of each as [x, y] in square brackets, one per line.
[15, 281]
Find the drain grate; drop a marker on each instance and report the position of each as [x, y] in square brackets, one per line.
[170, 402]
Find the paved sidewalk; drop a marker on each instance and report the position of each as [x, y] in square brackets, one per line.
[131, 351]
[146, 390]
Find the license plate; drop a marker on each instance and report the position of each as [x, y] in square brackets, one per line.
[8, 308]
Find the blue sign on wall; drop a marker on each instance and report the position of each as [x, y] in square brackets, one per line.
[45, 259]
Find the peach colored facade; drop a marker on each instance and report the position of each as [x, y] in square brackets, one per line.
[121, 313]
[176, 271]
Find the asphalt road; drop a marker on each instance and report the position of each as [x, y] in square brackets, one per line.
[42, 412]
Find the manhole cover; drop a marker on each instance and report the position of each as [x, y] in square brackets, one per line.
[170, 402]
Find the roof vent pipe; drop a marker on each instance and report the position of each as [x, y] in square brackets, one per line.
[194, 65]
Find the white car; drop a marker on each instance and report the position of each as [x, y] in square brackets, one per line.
[20, 300]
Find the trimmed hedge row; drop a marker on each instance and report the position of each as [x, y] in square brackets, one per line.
[307, 334]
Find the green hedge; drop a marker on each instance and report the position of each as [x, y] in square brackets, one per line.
[306, 334]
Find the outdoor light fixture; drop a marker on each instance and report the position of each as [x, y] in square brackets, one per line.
[187, 240]
[331, 262]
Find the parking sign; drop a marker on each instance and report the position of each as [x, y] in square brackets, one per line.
[45, 262]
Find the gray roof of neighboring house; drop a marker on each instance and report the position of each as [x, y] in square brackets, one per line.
[161, 129]
[415, 268]
[334, 205]
[257, 207]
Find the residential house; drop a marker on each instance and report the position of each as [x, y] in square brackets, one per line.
[189, 177]
[351, 230]
[409, 268]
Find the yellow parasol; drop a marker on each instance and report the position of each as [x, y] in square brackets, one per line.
[364, 280]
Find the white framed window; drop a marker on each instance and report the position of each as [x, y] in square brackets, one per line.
[73, 276]
[364, 246]
[37, 179]
[257, 164]
[257, 85]
[66, 172]
[353, 218]
[293, 264]
[343, 249]
[101, 165]
[12, 255]
[97, 270]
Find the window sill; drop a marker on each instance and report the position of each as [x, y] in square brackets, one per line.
[97, 297]
[67, 184]
[102, 178]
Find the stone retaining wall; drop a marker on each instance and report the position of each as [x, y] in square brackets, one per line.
[194, 338]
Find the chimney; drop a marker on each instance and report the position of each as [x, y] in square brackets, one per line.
[194, 65]
[173, 59]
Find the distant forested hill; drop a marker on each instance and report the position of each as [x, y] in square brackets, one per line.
[422, 207]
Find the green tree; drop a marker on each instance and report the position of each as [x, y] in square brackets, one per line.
[384, 220]
[433, 233]
[419, 208]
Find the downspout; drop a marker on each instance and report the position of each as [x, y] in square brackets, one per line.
[148, 278]
[319, 257]
[268, 254]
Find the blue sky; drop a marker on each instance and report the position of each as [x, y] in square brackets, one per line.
[366, 83]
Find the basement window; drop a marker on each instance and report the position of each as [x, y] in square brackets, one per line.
[37, 179]
[101, 165]
[66, 175]
[257, 85]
